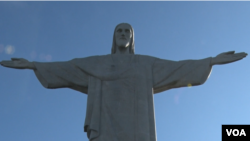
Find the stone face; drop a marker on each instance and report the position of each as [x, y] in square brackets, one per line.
[120, 95]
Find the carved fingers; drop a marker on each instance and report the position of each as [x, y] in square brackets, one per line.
[18, 63]
[228, 57]
[238, 56]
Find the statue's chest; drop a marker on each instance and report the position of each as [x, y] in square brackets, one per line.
[114, 68]
[132, 70]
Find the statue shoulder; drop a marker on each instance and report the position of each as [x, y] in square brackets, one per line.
[90, 59]
[155, 60]
[146, 58]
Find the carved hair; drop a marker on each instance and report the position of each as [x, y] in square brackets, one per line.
[131, 45]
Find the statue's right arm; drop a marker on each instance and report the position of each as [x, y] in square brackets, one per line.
[53, 74]
[18, 63]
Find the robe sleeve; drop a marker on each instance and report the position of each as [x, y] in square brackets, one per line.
[61, 75]
[174, 74]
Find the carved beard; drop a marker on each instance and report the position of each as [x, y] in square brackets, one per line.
[123, 44]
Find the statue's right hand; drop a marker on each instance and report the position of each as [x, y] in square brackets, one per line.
[17, 63]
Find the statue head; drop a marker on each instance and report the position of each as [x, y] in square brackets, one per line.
[123, 37]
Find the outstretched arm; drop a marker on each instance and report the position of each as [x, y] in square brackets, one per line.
[227, 57]
[53, 74]
[18, 63]
[173, 74]
[169, 74]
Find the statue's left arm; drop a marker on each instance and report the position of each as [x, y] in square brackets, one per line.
[227, 57]
[174, 74]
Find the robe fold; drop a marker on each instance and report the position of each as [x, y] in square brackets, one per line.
[120, 105]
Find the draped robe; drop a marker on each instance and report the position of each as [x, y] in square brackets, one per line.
[120, 105]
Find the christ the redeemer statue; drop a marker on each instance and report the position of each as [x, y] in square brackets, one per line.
[120, 86]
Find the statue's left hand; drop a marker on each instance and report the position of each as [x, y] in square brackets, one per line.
[227, 57]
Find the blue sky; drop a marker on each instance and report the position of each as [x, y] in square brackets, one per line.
[60, 31]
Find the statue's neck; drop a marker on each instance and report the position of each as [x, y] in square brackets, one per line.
[122, 50]
[121, 58]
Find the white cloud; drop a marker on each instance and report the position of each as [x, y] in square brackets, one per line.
[47, 57]
[9, 49]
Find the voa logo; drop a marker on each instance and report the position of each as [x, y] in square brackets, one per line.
[236, 132]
